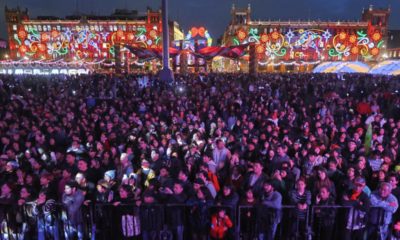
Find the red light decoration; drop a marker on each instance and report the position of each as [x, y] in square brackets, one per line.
[376, 36]
[202, 31]
[54, 34]
[275, 35]
[353, 39]
[355, 50]
[194, 31]
[22, 34]
[374, 51]
[264, 38]
[260, 49]
[45, 37]
[23, 49]
[42, 47]
[120, 33]
[342, 35]
[241, 34]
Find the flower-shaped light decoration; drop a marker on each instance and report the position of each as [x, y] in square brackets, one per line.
[376, 36]
[374, 51]
[353, 38]
[342, 36]
[241, 34]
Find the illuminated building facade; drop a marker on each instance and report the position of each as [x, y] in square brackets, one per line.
[309, 42]
[88, 38]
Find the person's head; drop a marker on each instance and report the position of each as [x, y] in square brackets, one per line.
[258, 168]
[24, 193]
[385, 189]
[324, 193]
[80, 178]
[183, 175]
[148, 198]
[393, 180]
[124, 191]
[220, 144]
[268, 187]
[350, 172]
[359, 183]
[249, 193]
[221, 213]
[70, 158]
[227, 190]
[322, 174]
[178, 188]
[198, 183]
[301, 185]
[332, 165]
[45, 179]
[6, 189]
[66, 173]
[70, 188]
[82, 165]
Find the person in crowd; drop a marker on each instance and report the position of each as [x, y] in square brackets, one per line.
[72, 200]
[325, 216]
[269, 213]
[300, 197]
[359, 204]
[387, 205]
[220, 223]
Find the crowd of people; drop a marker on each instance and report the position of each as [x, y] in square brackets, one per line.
[300, 140]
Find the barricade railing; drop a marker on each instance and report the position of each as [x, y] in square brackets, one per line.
[187, 221]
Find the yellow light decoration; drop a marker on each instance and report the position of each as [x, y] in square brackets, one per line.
[286, 44]
[45, 37]
[376, 36]
[374, 51]
[54, 34]
[264, 38]
[260, 49]
[33, 48]
[22, 34]
[120, 33]
[342, 36]
[275, 35]
[42, 47]
[131, 36]
[153, 34]
[23, 49]
[241, 34]
[355, 50]
[353, 38]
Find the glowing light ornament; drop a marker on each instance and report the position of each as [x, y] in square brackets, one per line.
[202, 31]
[120, 33]
[23, 49]
[275, 35]
[353, 38]
[264, 38]
[374, 51]
[54, 34]
[45, 37]
[342, 36]
[326, 35]
[354, 50]
[241, 35]
[22, 34]
[260, 49]
[376, 36]
[153, 34]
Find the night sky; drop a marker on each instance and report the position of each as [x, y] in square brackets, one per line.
[212, 14]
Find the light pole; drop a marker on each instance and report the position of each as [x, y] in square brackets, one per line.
[165, 74]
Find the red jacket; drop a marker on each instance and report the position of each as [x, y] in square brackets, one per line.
[219, 226]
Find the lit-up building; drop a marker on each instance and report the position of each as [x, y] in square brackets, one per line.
[83, 38]
[298, 44]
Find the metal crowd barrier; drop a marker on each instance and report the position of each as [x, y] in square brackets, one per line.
[128, 221]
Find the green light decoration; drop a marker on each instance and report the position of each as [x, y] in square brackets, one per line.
[141, 32]
[361, 34]
[158, 39]
[63, 51]
[112, 50]
[34, 32]
[333, 53]
[30, 53]
[17, 39]
[379, 45]
[236, 41]
[281, 53]
[253, 32]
